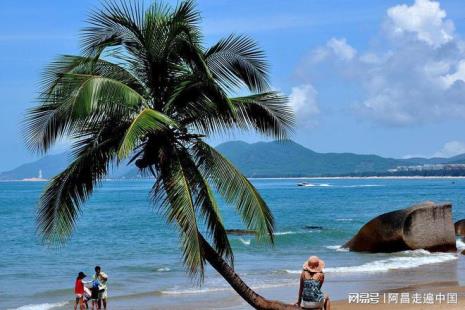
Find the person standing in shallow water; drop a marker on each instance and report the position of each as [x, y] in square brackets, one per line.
[311, 280]
[102, 277]
[79, 291]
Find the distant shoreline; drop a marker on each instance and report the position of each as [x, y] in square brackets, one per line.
[368, 177]
[279, 178]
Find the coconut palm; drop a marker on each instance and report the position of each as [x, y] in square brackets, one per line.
[145, 91]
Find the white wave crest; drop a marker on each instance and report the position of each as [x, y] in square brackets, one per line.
[244, 242]
[45, 306]
[362, 185]
[163, 269]
[317, 185]
[460, 245]
[219, 289]
[338, 248]
[284, 233]
[344, 220]
[310, 185]
[402, 260]
[195, 291]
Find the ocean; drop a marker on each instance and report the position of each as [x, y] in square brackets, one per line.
[120, 231]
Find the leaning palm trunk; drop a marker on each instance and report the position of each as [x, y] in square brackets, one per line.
[255, 300]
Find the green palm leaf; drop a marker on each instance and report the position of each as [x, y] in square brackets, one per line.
[148, 121]
[72, 94]
[236, 190]
[60, 204]
[237, 61]
[268, 113]
[205, 201]
[71, 64]
[96, 93]
[174, 194]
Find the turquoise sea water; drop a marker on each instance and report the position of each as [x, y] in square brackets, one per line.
[120, 231]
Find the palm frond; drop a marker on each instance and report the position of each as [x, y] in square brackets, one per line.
[237, 61]
[199, 97]
[116, 24]
[147, 121]
[74, 90]
[173, 194]
[95, 92]
[205, 200]
[60, 203]
[71, 64]
[268, 113]
[235, 189]
[76, 99]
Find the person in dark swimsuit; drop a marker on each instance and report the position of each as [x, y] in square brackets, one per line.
[311, 280]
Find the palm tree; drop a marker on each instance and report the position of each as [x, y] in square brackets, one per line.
[146, 89]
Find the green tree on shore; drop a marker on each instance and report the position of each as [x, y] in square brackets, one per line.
[145, 88]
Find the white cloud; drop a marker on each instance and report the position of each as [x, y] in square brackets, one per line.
[303, 101]
[425, 19]
[342, 49]
[414, 79]
[458, 75]
[337, 48]
[450, 149]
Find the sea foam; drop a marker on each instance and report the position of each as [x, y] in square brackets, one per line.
[402, 260]
[282, 233]
[317, 185]
[244, 241]
[338, 248]
[223, 288]
[460, 245]
[163, 269]
[45, 306]
[362, 185]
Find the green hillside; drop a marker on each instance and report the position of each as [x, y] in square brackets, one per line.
[262, 159]
[283, 159]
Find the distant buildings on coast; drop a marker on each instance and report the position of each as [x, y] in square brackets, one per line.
[428, 167]
[39, 178]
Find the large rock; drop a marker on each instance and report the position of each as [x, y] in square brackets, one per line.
[424, 226]
[460, 228]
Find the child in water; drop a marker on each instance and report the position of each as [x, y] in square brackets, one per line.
[79, 291]
[94, 294]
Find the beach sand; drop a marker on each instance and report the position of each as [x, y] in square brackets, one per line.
[447, 277]
[435, 288]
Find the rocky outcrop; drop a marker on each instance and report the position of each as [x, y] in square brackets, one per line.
[424, 226]
[240, 232]
[460, 228]
[312, 227]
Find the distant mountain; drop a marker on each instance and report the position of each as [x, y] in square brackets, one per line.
[262, 159]
[285, 159]
[51, 165]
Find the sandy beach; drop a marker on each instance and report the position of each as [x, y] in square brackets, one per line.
[436, 289]
[381, 287]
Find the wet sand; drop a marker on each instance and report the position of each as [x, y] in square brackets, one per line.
[447, 277]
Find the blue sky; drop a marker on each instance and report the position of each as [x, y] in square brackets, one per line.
[382, 77]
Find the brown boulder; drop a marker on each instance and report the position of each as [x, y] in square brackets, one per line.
[424, 226]
[460, 228]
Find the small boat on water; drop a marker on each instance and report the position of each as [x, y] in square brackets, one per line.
[303, 184]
